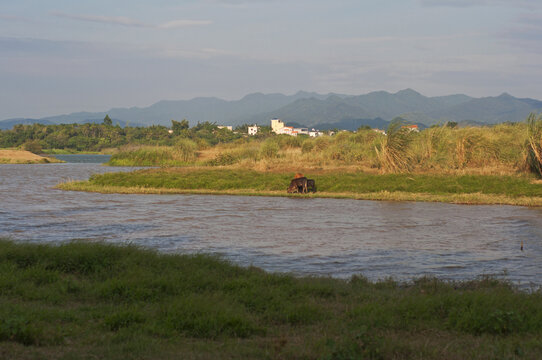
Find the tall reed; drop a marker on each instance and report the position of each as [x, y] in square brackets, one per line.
[534, 143]
[393, 151]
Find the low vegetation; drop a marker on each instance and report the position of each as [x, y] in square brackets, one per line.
[501, 149]
[91, 300]
[466, 189]
[91, 137]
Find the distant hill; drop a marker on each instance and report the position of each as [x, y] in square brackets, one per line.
[10, 123]
[353, 124]
[490, 109]
[312, 109]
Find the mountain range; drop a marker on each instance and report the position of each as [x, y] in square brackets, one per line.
[314, 110]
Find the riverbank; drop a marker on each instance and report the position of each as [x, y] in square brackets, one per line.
[460, 189]
[11, 156]
[92, 300]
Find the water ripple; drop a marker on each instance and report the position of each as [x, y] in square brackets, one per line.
[325, 237]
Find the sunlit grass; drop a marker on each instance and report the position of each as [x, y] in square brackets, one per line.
[471, 189]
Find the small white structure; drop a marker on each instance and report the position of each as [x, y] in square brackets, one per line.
[286, 130]
[315, 133]
[412, 128]
[253, 130]
[383, 132]
[170, 131]
[230, 128]
[276, 125]
[302, 131]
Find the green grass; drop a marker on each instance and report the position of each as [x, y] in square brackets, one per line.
[513, 186]
[209, 179]
[489, 189]
[151, 156]
[91, 300]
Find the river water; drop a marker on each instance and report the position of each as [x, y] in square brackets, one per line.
[331, 237]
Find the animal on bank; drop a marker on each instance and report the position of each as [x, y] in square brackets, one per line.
[301, 185]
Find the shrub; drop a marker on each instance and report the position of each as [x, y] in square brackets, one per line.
[33, 146]
[269, 149]
[186, 149]
[223, 159]
[307, 147]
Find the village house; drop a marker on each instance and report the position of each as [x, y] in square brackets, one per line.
[276, 125]
[315, 133]
[411, 128]
[279, 128]
[253, 130]
[230, 128]
[286, 130]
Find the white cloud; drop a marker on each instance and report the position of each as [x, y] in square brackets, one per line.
[126, 21]
[183, 23]
[115, 20]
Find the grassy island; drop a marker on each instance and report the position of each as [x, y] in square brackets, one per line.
[501, 164]
[462, 189]
[91, 300]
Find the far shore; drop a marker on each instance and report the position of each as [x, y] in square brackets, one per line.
[13, 156]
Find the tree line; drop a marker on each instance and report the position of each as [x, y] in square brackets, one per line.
[99, 136]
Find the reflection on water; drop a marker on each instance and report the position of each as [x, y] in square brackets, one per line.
[305, 236]
[83, 158]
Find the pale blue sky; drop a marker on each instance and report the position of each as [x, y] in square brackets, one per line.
[61, 56]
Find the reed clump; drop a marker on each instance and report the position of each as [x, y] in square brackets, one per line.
[183, 153]
[534, 144]
[500, 149]
[393, 152]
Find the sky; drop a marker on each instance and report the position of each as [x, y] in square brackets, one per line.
[63, 56]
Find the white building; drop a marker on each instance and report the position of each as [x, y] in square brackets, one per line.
[253, 130]
[302, 131]
[276, 125]
[230, 128]
[315, 133]
[286, 130]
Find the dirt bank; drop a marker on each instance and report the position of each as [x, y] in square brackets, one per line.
[24, 157]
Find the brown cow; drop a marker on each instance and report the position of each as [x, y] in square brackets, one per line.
[301, 185]
[298, 185]
[311, 185]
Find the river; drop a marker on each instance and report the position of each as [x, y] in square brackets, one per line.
[329, 237]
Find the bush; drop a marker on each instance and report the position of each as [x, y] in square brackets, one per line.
[33, 146]
[269, 149]
[223, 159]
[307, 147]
[186, 149]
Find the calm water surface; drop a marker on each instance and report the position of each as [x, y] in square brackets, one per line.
[339, 238]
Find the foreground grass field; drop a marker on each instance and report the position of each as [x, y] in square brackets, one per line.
[91, 300]
[469, 189]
